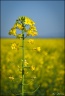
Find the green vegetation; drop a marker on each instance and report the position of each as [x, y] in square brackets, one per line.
[47, 67]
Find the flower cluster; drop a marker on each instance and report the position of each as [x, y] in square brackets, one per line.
[31, 41]
[38, 49]
[14, 46]
[12, 31]
[32, 68]
[11, 78]
[26, 24]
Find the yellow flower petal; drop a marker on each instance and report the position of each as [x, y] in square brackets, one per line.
[28, 21]
[33, 68]
[38, 49]
[19, 26]
[14, 46]
[12, 32]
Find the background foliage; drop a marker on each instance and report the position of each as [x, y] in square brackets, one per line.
[47, 67]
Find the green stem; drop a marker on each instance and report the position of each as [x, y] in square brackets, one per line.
[23, 63]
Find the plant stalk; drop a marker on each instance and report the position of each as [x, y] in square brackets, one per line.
[23, 63]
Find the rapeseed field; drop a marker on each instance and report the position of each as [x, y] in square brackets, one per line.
[46, 67]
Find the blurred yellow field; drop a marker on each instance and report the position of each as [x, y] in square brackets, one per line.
[46, 67]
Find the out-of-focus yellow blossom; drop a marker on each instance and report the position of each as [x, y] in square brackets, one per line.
[52, 57]
[50, 67]
[38, 49]
[58, 79]
[45, 84]
[18, 66]
[26, 63]
[34, 77]
[19, 36]
[9, 56]
[27, 73]
[41, 61]
[11, 78]
[61, 72]
[54, 89]
[20, 77]
[12, 32]
[10, 71]
[34, 48]
[32, 68]
[49, 80]
[14, 46]
[45, 53]
[31, 41]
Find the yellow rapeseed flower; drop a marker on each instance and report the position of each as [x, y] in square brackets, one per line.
[34, 34]
[28, 21]
[26, 24]
[32, 22]
[11, 78]
[38, 49]
[32, 68]
[19, 26]
[31, 41]
[14, 46]
[19, 36]
[12, 32]
[26, 63]
[31, 33]
[33, 28]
